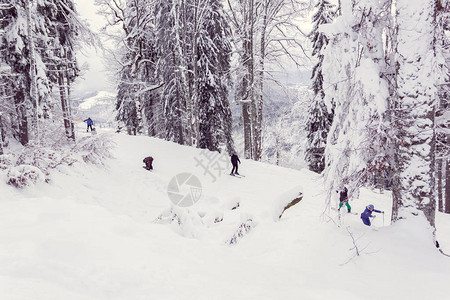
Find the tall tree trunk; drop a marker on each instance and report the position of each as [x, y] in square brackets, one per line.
[248, 111]
[414, 191]
[69, 106]
[185, 75]
[20, 104]
[1, 134]
[63, 98]
[447, 183]
[195, 94]
[32, 57]
[439, 184]
[260, 99]
[247, 130]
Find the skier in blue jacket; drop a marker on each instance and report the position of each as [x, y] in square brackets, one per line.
[89, 124]
[368, 214]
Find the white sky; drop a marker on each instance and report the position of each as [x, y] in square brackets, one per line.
[95, 78]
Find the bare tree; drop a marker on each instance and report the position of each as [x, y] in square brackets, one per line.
[264, 32]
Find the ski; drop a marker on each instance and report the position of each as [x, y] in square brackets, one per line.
[344, 211]
[237, 176]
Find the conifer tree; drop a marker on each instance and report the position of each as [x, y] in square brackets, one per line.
[171, 68]
[213, 60]
[319, 119]
[62, 35]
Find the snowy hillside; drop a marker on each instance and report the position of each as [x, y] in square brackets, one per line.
[112, 232]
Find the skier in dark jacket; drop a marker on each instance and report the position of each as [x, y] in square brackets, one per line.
[234, 162]
[148, 163]
[89, 124]
[368, 214]
[343, 198]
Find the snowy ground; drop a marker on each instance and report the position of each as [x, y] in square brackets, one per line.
[91, 234]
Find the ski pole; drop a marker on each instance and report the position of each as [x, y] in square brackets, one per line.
[383, 218]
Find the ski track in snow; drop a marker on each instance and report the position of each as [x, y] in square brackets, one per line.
[91, 234]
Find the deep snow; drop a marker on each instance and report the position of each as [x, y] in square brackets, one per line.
[105, 232]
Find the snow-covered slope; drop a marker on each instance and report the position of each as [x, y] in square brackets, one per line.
[112, 233]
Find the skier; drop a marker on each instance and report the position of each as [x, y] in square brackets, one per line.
[89, 124]
[148, 163]
[368, 214]
[234, 162]
[343, 198]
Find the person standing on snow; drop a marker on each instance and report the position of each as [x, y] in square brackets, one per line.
[343, 198]
[89, 124]
[148, 163]
[368, 214]
[234, 162]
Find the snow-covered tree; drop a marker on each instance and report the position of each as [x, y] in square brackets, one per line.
[193, 64]
[136, 58]
[213, 57]
[172, 67]
[16, 54]
[414, 183]
[319, 120]
[38, 44]
[352, 71]
[442, 117]
[60, 26]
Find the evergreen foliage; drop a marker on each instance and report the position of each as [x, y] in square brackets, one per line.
[213, 59]
[38, 44]
[319, 120]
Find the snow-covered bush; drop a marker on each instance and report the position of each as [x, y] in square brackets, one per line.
[95, 149]
[24, 175]
[183, 221]
[33, 163]
[6, 160]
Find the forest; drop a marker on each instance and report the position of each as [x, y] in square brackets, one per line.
[377, 111]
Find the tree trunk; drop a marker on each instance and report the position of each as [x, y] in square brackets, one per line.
[439, 184]
[69, 106]
[185, 75]
[248, 81]
[1, 134]
[447, 184]
[260, 98]
[20, 103]
[33, 87]
[195, 94]
[63, 98]
[414, 191]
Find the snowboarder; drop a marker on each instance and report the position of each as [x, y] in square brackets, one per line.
[148, 163]
[234, 162]
[343, 199]
[368, 214]
[89, 124]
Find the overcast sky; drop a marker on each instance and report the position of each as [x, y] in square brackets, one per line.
[95, 78]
